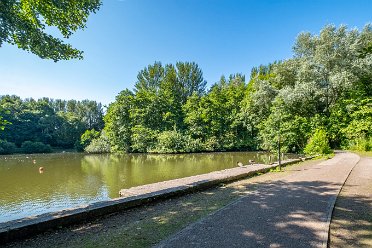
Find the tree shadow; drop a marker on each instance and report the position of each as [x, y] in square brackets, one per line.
[352, 222]
[269, 214]
[280, 214]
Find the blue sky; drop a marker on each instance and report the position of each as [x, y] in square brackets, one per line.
[222, 36]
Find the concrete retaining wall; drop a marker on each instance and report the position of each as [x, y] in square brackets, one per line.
[136, 196]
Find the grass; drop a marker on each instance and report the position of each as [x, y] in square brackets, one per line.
[156, 222]
[275, 169]
[363, 153]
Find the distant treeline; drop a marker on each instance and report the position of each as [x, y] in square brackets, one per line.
[38, 125]
[321, 98]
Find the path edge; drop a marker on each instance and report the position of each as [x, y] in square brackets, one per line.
[326, 234]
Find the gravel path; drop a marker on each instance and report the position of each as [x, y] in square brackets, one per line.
[292, 212]
[352, 218]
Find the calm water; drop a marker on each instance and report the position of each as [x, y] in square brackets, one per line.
[73, 179]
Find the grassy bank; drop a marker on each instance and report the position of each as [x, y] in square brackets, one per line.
[363, 153]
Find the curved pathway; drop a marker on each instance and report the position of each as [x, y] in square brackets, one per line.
[292, 212]
[352, 218]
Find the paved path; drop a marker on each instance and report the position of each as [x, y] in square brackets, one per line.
[352, 218]
[292, 212]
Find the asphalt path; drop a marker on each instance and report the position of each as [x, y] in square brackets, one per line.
[294, 211]
[352, 218]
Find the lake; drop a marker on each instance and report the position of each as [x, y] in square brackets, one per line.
[73, 179]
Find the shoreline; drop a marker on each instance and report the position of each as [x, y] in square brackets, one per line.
[29, 226]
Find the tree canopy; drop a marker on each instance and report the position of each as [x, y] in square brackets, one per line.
[58, 123]
[24, 23]
[321, 98]
[325, 86]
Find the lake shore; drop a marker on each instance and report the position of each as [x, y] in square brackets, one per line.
[171, 215]
[69, 180]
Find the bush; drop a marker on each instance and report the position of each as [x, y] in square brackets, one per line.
[143, 138]
[99, 145]
[86, 138]
[193, 145]
[361, 144]
[35, 147]
[176, 142]
[170, 142]
[212, 144]
[7, 147]
[318, 144]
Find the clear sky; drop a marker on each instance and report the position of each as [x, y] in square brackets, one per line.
[222, 36]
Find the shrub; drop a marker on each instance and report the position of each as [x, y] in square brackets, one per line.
[7, 147]
[318, 144]
[86, 138]
[99, 145]
[170, 142]
[360, 144]
[193, 145]
[212, 144]
[35, 147]
[143, 139]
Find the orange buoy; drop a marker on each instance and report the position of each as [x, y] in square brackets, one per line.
[41, 170]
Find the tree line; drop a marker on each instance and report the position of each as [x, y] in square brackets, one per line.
[34, 125]
[321, 98]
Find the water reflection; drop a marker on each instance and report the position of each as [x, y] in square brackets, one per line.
[73, 179]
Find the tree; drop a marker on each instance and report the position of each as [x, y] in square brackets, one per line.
[318, 144]
[48, 121]
[2, 121]
[190, 76]
[118, 122]
[215, 116]
[325, 86]
[327, 71]
[24, 23]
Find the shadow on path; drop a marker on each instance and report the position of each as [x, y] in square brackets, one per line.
[352, 218]
[280, 214]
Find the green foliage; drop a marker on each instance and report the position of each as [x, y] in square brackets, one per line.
[275, 169]
[283, 125]
[58, 123]
[35, 147]
[118, 124]
[3, 122]
[7, 147]
[171, 142]
[318, 144]
[361, 120]
[99, 145]
[86, 138]
[326, 85]
[141, 121]
[215, 117]
[176, 142]
[143, 138]
[24, 24]
[360, 144]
